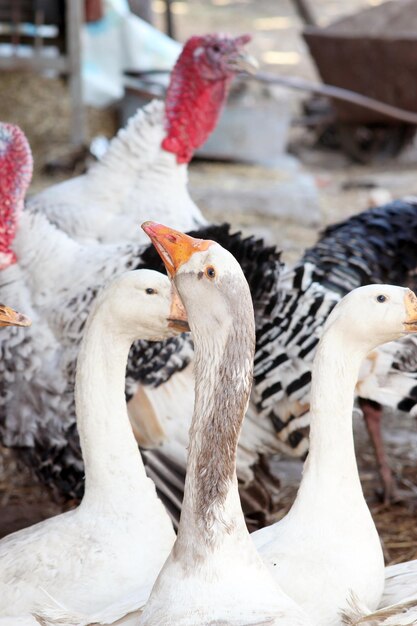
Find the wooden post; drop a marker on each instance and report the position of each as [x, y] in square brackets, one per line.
[143, 9]
[169, 19]
[305, 12]
[74, 24]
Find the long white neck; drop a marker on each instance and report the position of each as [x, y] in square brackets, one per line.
[211, 508]
[111, 456]
[331, 464]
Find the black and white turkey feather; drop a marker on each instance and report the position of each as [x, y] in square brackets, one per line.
[58, 279]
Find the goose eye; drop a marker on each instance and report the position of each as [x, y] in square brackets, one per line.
[149, 290]
[210, 272]
[381, 298]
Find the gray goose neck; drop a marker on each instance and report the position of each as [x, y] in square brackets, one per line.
[223, 377]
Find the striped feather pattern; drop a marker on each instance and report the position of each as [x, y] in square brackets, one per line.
[376, 246]
[291, 307]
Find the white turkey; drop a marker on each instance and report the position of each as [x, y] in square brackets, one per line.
[144, 172]
[60, 279]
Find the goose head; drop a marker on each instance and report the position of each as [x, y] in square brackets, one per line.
[146, 301]
[10, 317]
[375, 314]
[204, 273]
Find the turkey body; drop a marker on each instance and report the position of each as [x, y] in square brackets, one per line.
[38, 369]
[60, 277]
[376, 246]
[135, 179]
[291, 307]
[144, 172]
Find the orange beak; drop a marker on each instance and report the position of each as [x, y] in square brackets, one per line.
[173, 247]
[177, 316]
[10, 317]
[410, 300]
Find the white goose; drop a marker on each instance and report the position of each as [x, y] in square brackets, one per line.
[327, 547]
[116, 541]
[213, 574]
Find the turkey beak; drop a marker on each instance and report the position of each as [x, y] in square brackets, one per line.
[9, 317]
[173, 247]
[240, 60]
[177, 315]
[243, 62]
[410, 300]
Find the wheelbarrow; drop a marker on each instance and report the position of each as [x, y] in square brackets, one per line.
[373, 53]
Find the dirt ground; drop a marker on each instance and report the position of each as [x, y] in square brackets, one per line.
[343, 189]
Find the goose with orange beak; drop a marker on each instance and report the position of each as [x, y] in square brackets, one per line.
[10, 317]
[214, 574]
[327, 547]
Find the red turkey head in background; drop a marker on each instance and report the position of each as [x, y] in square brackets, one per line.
[198, 90]
[15, 175]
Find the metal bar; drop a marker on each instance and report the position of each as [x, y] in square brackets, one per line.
[39, 20]
[74, 22]
[293, 82]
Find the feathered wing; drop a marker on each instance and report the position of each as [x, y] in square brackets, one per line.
[286, 341]
[135, 181]
[290, 310]
[389, 375]
[125, 611]
[401, 614]
[376, 246]
[400, 583]
[63, 284]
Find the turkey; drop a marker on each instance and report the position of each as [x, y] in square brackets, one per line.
[60, 279]
[144, 172]
[376, 246]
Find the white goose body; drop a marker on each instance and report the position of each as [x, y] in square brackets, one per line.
[116, 541]
[213, 574]
[327, 547]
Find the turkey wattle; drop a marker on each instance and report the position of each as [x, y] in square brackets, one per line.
[143, 174]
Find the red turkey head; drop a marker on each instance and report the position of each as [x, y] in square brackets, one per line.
[198, 90]
[15, 176]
